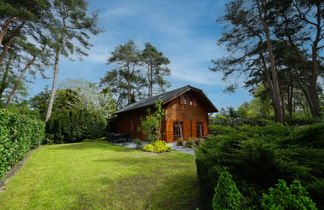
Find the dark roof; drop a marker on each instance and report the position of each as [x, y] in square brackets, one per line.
[164, 97]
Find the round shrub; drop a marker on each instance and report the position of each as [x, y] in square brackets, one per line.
[148, 148]
[189, 143]
[158, 146]
[283, 197]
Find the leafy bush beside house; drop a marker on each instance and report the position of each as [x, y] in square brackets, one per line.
[18, 135]
[257, 157]
[75, 125]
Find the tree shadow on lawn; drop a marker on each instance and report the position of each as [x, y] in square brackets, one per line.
[146, 158]
[92, 145]
[140, 191]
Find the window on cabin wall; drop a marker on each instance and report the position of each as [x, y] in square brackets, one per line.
[199, 129]
[185, 100]
[190, 101]
[177, 130]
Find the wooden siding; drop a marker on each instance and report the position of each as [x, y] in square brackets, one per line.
[175, 110]
[188, 114]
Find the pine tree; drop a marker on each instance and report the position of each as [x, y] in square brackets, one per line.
[70, 29]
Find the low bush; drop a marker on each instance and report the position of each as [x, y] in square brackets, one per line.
[18, 135]
[258, 156]
[138, 143]
[189, 143]
[197, 141]
[283, 197]
[180, 142]
[220, 130]
[227, 196]
[67, 126]
[157, 146]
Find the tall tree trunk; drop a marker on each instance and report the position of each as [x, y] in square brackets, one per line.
[4, 80]
[53, 91]
[290, 92]
[150, 81]
[282, 99]
[275, 81]
[5, 27]
[8, 44]
[316, 109]
[17, 83]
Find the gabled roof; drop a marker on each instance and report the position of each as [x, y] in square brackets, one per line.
[165, 97]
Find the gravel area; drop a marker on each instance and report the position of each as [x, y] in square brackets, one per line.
[132, 145]
[187, 150]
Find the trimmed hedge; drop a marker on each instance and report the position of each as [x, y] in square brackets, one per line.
[258, 156]
[68, 126]
[18, 135]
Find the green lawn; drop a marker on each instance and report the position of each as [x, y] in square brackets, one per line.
[99, 175]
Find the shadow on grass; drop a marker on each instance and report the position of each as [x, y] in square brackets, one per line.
[145, 159]
[93, 145]
[142, 191]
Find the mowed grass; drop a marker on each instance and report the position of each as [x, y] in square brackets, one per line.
[100, 175]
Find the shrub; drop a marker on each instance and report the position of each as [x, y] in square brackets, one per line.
[150, 125]
[258, 156]
[180, 142]
[283, 197]
[148, 148]
[158, 146]
[75, 125]
[18, 135]
[219, 129]
[189, 143]
[227, 196]
[138, 143]
[197, 141]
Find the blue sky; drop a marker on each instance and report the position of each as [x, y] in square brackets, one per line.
[184, 30]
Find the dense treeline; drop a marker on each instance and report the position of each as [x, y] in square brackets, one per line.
[276, 45]
[18, 135]
[258, 156]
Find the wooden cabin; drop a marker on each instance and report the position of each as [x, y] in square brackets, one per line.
[186, 114]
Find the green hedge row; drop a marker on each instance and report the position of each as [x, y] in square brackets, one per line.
[18, 135]
[68, 126]
[258, 156]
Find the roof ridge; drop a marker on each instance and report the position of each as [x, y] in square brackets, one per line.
[166, 96]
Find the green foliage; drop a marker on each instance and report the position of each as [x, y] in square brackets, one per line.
[189, 143]
[180, 142]
[197, 141]
[155, 69]
[221, 130]
[24, 110]
[75, 125]
[227, 196]
[157, 146]
[150, 126]
[258, 156]
[138, 143]
[283, 197]
[125, 80]
[64, 99]
[91, 96]
[18, 134]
